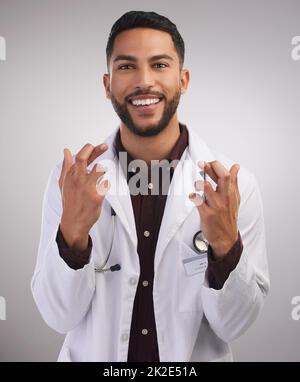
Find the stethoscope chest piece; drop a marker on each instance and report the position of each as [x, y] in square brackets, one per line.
[200, 243]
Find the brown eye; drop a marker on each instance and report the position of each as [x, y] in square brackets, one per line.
[124, 66]
[161, 65]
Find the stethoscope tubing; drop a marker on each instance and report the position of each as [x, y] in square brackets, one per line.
[101, 268]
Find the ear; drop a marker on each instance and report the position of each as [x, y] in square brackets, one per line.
[106, 83]
[184, 80]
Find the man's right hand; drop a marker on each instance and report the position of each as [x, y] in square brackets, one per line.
[81, 198]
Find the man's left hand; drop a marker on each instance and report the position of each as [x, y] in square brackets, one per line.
[219, 212]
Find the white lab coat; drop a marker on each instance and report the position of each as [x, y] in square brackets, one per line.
[193, 322]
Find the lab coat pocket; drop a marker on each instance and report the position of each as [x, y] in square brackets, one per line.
[191, 273]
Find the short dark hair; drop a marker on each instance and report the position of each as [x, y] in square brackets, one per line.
[141, 19]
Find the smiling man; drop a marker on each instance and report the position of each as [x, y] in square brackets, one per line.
[150, 275]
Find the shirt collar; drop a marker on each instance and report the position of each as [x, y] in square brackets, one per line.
[175, 154]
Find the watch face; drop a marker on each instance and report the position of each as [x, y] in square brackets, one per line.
[200, 244]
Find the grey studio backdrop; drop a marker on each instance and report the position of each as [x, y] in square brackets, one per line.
[243, 100]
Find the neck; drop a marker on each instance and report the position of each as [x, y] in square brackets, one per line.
[147, 148]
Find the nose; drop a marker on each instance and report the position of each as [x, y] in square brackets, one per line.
[144, 78]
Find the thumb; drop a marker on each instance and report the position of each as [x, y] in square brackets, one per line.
[103, 187]
[195, 199]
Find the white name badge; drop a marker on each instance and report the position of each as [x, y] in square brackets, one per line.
[195, 264]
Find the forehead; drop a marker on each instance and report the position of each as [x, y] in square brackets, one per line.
[144, 41]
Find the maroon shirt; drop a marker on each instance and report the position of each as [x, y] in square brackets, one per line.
[148, 212]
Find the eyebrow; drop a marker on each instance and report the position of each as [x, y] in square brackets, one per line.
[126, 57]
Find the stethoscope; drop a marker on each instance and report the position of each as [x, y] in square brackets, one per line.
[199, 242]
[115, 267]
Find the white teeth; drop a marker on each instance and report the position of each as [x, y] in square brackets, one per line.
[143, 102]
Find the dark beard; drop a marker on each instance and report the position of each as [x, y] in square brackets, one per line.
[150, 131]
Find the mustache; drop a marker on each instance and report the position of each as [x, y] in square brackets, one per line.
[145, 92]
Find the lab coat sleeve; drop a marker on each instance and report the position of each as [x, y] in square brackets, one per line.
[232, 309]
[63, 295]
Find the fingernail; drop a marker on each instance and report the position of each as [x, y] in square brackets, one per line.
[102, 146]
[103, 187]
[192, 195]
[201, 164]
[199, 184]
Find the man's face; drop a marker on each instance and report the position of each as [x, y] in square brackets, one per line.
[145, 68]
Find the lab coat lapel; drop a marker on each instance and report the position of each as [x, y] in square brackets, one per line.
[178, 206]
[120, 200]
[118, 196]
